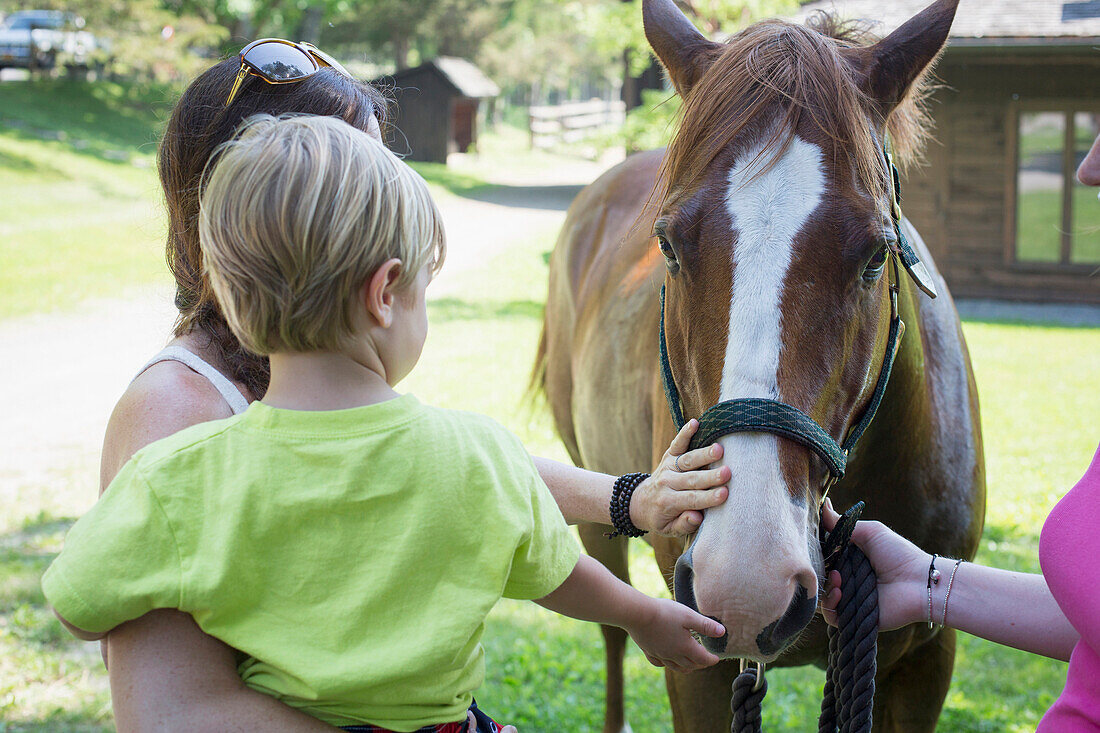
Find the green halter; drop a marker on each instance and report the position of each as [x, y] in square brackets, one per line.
[771, 416]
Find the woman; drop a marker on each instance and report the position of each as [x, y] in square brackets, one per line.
[1055, 613]
[165, 673]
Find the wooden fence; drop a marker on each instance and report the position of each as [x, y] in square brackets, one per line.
[572, 121]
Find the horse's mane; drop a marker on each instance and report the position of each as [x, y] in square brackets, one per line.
[797, 70]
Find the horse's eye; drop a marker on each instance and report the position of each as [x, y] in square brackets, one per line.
[876, 264]
[671, 262]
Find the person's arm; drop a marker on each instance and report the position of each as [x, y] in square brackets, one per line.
[661, 628]
[165, 673]
[78, 632]
[1014, 609]
[670, 501]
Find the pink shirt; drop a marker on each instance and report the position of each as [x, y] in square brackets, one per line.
[1069, 553]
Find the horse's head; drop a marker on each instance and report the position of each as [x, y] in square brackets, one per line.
[773, 214]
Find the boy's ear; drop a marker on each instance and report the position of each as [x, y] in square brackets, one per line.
[377, 293]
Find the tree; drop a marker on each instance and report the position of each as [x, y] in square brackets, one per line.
[428, 27]
[547, 45]
[145, 40]
[650, 123]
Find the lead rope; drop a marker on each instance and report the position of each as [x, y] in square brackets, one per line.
[848, 699]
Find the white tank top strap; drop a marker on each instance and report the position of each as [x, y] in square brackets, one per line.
[225, 388]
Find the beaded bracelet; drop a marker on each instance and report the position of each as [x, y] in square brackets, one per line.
[620, 505]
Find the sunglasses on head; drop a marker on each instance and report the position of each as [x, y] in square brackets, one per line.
[281, 62]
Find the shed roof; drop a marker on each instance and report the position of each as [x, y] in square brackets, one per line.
[467, 79]
[984, 22]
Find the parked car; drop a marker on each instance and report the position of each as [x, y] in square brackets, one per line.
[42, 38]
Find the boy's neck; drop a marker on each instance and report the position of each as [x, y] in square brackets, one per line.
[324, 380]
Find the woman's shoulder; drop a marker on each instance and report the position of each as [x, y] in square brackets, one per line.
[163, 400]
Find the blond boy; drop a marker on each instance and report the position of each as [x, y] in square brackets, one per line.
[346, 538]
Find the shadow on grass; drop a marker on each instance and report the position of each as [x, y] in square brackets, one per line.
[1033, 315]
[549, 198]
[104, 120]
[445, 310]
[460, 184]
[22, 164]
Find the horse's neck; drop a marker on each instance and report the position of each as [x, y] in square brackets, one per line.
[905, 412]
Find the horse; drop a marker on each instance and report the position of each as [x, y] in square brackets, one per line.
[766, 224]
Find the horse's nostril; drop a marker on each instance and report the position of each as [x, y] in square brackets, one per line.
[808, 580]
[778, 634]
[683, 580]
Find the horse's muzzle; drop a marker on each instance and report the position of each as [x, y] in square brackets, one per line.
[774, 638]
[683, 587]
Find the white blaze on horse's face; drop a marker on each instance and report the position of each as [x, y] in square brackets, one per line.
[761, 529]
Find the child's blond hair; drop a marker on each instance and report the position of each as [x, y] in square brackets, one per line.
[296, 214]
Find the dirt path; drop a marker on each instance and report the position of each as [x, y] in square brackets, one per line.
[62, 373]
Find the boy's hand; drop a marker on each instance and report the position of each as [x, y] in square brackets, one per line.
[672, 500]
[900, 566]
[664, 635]
[662, 628]
[471, 725]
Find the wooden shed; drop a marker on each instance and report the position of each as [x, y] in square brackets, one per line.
[999, 204]
[438, 107]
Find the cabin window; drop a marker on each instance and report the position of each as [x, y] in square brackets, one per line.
[1057, 218]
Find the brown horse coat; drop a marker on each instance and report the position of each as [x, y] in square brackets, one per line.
[919, 467]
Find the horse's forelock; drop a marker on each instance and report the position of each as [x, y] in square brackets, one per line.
[777, 68]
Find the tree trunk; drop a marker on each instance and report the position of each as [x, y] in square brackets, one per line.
[633, 86]
[401, 52]
[309, 29]
[243, 31]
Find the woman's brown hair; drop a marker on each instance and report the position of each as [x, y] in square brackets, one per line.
[199, 123]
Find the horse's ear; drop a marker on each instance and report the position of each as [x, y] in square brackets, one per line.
[684, 51]
[892, 65]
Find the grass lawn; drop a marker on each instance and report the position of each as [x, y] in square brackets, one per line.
[76, 223]
[79, 211]
[80, 203]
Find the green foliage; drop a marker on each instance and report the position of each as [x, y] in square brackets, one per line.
[616, 25]
[137, 43]
[549, 45]
[652, 124]
[439, 176]
[522, 44]
[619, 27]
[409, 33]
[728, 16]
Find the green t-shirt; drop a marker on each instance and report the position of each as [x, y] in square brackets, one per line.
[352, 555]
